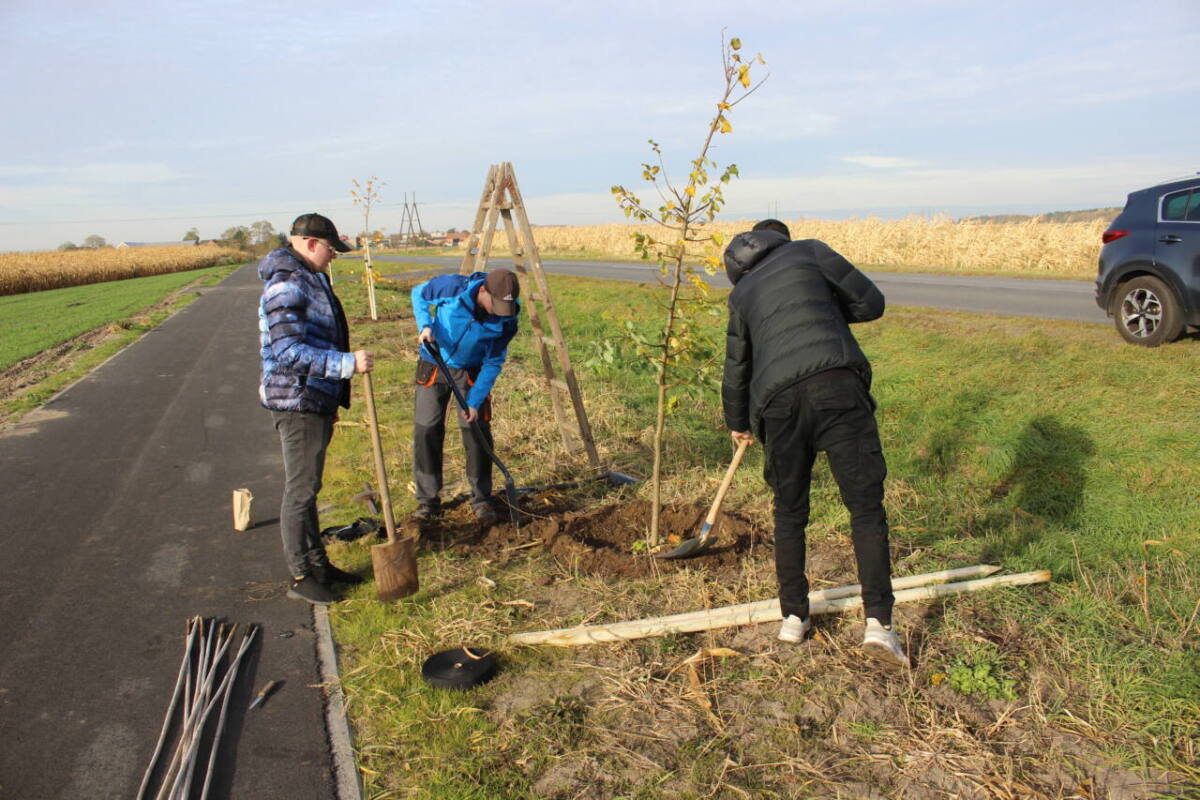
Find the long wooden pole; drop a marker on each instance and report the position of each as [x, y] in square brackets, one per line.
[822, 602]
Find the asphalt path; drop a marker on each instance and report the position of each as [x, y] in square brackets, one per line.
[1018, 297]
[116, 528]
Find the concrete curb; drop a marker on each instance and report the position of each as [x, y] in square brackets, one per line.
[347, 783]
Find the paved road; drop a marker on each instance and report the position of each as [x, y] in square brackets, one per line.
[1021, 297]
[115, 525]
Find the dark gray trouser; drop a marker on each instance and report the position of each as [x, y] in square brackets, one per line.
[305, 438]
[832, 412]
[429, 434]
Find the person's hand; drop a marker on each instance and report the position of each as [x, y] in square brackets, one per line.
[364, 361]
[471, 415]
[741, 436]
[425, 336]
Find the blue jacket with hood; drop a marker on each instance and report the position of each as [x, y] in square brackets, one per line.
[304, 338]
[469, 337]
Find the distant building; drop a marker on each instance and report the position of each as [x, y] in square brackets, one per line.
[157, 244]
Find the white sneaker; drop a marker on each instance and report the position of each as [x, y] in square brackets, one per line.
[883, 644]
[794, 629]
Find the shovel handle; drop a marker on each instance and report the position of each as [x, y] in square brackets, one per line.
[380, 469]
[711, 519]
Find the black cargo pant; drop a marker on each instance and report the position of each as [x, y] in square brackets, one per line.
[433, 396]
[832, 412]
[305, 438]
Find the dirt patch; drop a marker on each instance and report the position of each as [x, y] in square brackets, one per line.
[608, 542]
[30, 371]
[605, 543]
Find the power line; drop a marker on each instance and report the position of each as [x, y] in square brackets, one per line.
[162, 219]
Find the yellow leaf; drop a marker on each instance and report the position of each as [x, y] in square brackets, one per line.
[690, 191]
[744, 76]
[723, 106]
[725, 126]
[735, 43]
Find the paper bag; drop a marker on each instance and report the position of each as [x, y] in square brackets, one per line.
[241, 509]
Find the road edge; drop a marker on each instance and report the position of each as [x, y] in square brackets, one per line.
[347, 783]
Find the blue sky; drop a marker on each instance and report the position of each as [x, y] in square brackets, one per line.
[141, 120]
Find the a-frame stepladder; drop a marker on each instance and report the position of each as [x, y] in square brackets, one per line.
[501, 200]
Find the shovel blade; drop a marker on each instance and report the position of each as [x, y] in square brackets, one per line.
[395, 566]
[691, 547]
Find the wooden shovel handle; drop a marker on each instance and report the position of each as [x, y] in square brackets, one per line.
[733, 465]
[380, 470]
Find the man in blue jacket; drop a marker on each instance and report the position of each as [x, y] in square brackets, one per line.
[472, 318]
[796, 379]
[306, 370]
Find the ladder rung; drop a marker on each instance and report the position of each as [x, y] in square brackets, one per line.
[573, 428]
[549, 341]
[561, 385]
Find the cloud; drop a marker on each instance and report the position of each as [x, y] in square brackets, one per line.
[881, 162]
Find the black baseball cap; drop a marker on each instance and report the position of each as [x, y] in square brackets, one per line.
[319, 227]
[504, 288]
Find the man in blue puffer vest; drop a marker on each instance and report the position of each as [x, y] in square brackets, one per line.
[472, 318]
[306, 370]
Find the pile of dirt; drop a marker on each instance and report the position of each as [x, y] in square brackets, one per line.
[609, 541]
[606, 542]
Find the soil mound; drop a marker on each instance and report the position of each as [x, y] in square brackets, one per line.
[605, 542]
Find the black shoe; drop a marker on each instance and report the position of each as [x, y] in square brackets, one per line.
[426, 511]
[328, 575]
[309, 589]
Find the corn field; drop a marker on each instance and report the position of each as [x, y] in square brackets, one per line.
[32, 272]
[919, 243]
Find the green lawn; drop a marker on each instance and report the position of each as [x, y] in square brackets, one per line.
[33, 322]
[1032, 444]
[117, 312]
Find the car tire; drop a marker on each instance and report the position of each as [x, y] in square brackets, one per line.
[1146, 312]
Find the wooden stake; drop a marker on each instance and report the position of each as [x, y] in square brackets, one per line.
[825, 602]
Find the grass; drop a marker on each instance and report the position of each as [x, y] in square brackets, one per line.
[1034, 444]
[81, 326]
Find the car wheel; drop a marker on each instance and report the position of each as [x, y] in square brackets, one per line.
[1146, 312]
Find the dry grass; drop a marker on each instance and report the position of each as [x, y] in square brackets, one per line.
[1031, 246]
[32, 272]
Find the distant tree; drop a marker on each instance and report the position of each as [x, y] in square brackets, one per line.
[68, 246]
[451, 230]
[262, 232]
[94, 242]
[192, 235]
[236, 237]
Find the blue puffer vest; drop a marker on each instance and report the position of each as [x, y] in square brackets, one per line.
[304, 338]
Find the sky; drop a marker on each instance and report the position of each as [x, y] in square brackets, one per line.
[139, 121]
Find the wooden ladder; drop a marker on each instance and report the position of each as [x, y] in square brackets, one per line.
[500, 199]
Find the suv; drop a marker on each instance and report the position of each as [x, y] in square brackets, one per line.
[1149, 278]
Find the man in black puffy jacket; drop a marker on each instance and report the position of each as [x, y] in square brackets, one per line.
[796, 379]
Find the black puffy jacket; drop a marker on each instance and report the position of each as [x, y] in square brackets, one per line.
[789, 315]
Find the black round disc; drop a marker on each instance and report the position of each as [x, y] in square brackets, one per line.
[460, 668]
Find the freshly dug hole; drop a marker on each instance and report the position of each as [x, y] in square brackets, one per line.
[601, 542]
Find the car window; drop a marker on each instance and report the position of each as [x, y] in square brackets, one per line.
[1174, 206]
[1193, 212]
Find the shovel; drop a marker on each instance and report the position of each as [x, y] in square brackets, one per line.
[510, 486]
[700, 543]
[394, 561]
